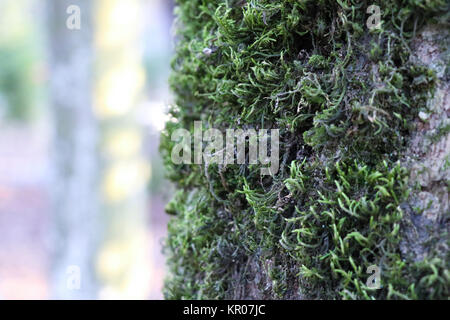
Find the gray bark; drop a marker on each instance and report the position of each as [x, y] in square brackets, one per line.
[428, 154]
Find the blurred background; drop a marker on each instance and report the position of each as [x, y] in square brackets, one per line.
[83, 97]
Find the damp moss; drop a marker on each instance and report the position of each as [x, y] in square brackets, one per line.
[344, 99]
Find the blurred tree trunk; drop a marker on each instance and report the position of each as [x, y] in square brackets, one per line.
[75, 160]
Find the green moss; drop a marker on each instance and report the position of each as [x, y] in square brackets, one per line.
[347, 221]
[344, 99]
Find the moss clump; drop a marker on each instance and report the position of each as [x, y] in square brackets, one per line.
[344, 99]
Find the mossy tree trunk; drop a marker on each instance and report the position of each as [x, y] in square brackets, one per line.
[364, 146]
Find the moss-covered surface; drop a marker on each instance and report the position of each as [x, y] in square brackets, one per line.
[344, 99]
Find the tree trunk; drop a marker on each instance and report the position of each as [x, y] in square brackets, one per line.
[75, 159]
[359, 206]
